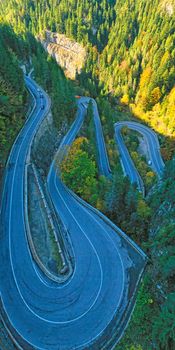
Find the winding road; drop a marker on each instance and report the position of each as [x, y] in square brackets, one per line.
[151, 139]
[92, 308]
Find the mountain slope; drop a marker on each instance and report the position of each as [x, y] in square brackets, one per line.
[12, 91]
[83, 20]
[138, 63]
[131, 56]
[131, 47]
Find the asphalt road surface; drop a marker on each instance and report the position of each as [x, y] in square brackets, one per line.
[151, 139]
[92, 308]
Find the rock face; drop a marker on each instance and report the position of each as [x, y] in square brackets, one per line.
[68, 54]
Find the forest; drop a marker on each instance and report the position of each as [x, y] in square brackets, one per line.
[130, 43]
[130, 70]
[17, 50]
[12, 92]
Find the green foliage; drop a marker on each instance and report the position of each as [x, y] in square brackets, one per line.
[89, 132]
[139, 331]
[83, 20]
[129, 59]
[52, 79]
[130, 55]
[164, 325]
[125, 207]
[131, 139]
[157, 328]
[164, 250]
[15, 50]
[12, 92]
[79, 171]
[130, 48]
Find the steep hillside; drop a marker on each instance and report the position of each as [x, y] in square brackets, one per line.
[130, 47]
[152, 324]
[15, 102]
[83, 20]
[16, 50]
[139, 61]
[69, 54]
[12, 91]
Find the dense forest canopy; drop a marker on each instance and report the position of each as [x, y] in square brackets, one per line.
[12, 91]
[139, 61]
[131, 47]
[83, 20]
[131, 57]
[15, 51]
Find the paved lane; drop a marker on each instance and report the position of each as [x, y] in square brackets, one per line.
[89, 310]
[153, 146]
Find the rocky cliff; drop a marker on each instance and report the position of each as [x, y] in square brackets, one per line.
[69, 54]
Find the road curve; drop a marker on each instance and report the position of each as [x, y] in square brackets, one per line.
[92, 308]
[153, 147]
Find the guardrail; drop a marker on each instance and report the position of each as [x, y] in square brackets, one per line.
[115, 320]
[125, 304]
[105, 341]
[62, 150]
[65, 262]
[109, 222]
[122, 148]
[56, 278]
[146, 132]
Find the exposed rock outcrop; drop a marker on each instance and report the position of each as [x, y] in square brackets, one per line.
[68, 54]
